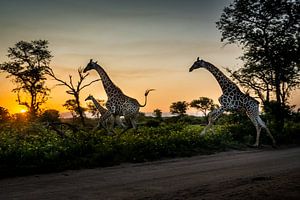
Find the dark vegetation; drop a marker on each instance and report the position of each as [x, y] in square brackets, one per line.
[35, 147]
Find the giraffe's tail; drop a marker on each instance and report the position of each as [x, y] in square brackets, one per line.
[146, 94]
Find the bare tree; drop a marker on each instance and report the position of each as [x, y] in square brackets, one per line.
[74, 90]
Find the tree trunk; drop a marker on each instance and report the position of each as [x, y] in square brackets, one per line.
[279, 114]
[31, 109]
[80, 111]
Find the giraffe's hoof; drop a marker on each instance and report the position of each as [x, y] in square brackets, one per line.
[275, 146]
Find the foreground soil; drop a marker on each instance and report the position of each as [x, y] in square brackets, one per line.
[252, 174]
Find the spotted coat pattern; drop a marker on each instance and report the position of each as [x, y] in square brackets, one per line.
[117, 103]
[107, 123]
[233, 99]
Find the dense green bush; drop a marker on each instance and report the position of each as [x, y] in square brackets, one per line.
[34, 148]
[291, 133]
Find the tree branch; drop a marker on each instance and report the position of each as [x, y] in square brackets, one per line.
[90, 83]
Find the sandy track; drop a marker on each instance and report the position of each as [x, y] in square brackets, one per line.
[254, 174]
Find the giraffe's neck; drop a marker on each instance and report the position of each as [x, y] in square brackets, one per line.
[98, 106]
[110, 88]
[225, 83]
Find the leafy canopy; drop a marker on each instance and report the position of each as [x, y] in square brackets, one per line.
[204, 104]
[27, 66]
[268, 32]
[179, 107]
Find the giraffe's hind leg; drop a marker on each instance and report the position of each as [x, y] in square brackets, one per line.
[263, 125]
[128, 123]
[212, 117]
[253, 118]
[133, 123]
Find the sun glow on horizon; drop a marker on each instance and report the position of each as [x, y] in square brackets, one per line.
[23, 111]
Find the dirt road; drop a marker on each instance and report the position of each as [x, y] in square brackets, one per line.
[254, 174]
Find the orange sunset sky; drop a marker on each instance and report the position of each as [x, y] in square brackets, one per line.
[141, 45]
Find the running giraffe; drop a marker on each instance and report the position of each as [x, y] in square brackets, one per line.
[107, 124]
[117, 103]
[233, 99]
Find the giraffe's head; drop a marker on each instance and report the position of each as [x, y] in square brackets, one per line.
[198, 64]
[91, 65]
[90, 97]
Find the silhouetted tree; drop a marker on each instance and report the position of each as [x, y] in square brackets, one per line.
[203, 104]
[73, 90]
[157, 113]
[27, 67]
[20, 117]
[179, 107]
[71, 106]
[268, 31]
[50, 115]
[4, 115]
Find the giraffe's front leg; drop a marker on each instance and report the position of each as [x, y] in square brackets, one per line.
[119, 121]
[212, 117]
[258, 130]
[109, 123]
[130, 120]
[102, 120]
[253, 116]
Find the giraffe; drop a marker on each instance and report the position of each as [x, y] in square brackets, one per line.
[118, 104]
[109, 122]
[233, 99]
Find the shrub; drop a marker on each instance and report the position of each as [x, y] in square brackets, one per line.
[33, 148]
